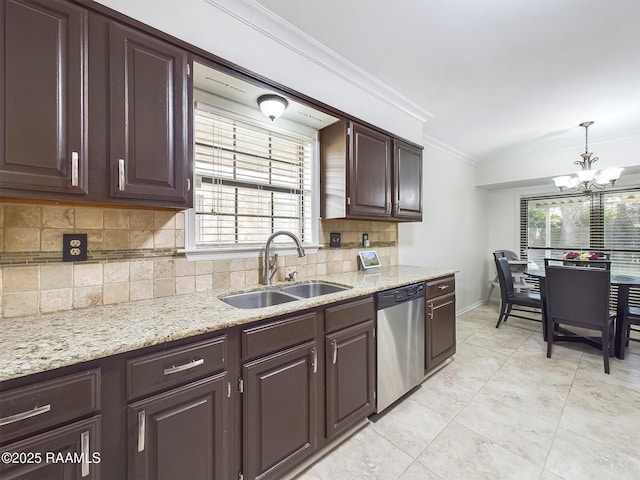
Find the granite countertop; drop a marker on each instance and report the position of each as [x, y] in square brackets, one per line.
[35, 344]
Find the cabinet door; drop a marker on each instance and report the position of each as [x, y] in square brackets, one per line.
[407, 162]
[149, 134]
[65, 453]
[350, 357]
[369, 173]
[279, 411]
[182, 433]
[440, 331]
[43, 80]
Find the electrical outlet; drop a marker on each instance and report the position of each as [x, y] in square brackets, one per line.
[365, 239]
[74, 247]
[334, 239]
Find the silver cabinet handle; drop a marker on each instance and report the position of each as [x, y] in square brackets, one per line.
[334, 345]
[188, 184]
[74, 169]
[142, 427]
[186, 366]
[121, 175]
[314, 359]
[443, 287]
[24, 415]
[433, 309]
[84, 441]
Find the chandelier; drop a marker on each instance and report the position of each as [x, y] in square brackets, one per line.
[588, 178]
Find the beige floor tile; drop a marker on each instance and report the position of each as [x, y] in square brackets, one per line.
[573, 456]
[410, 426]
[450, 389]
[459, 453]
[605, 413]
[366, 455]
[417, 471]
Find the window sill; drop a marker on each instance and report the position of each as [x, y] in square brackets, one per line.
[204, 253]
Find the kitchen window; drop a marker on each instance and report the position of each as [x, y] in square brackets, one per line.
[251, 180]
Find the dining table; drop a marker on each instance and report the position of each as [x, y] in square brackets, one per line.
[624, 282]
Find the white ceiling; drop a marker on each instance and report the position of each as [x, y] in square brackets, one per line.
[500, 77]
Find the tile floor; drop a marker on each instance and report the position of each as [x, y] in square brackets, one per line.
[502, 410]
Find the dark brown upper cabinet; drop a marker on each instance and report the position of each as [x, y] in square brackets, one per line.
[367, 174]
[43, 135]
[149, 128]
[407, 174]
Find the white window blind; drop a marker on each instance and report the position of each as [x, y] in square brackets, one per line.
[249, 182]
[604, 222]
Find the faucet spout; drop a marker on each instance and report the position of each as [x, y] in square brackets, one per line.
[271, 268]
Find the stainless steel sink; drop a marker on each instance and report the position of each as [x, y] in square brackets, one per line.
[278, 295]
[259, 299]
[312, 289]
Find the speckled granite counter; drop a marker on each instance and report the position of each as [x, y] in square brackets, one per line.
[35, 344]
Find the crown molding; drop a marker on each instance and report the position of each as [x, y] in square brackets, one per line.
[279, 30]
[447, 150]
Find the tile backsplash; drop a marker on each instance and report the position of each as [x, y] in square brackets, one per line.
[133, 255]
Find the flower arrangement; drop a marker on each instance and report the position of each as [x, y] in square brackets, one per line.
[584, 256]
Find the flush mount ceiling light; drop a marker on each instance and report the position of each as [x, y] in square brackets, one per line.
[272, 106]
[588, 178]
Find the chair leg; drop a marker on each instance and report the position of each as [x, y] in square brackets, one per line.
[549, 339]
[605, 349]
[502, 311]
[509, 307]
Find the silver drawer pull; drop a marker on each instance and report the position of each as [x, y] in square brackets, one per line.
[24, 415]
[433, 309]
[74, 169]
[314, 361]
[335, 350]
[443, 287]
[186, 366]
[121, 177]
[84, 441]
[142, 427]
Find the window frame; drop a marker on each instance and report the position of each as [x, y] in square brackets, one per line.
[252, 117]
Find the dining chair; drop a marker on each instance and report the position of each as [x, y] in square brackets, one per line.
[604, 264]
[579, 297]
[512, 301]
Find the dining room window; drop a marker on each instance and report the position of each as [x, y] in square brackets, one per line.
[250, 181]
[607, 222]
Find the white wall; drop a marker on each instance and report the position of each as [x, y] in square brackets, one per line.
[453, 232]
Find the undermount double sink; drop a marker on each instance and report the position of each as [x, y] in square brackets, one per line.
[284, 294]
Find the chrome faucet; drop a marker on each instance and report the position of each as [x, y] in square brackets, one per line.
[270, 269]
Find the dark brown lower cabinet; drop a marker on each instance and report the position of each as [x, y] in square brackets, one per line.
[440, 331]
[182, 433]
[280, 427]
[350, 371]
[66, 453]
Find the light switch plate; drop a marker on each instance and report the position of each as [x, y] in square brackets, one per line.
[334, 239]
[74, 247]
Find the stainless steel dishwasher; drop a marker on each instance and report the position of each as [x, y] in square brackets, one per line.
[400, 341]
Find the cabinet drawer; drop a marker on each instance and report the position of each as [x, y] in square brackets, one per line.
[441, 286]
[157, 371]
[278, 335]
[347, 314]
[45, 404]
